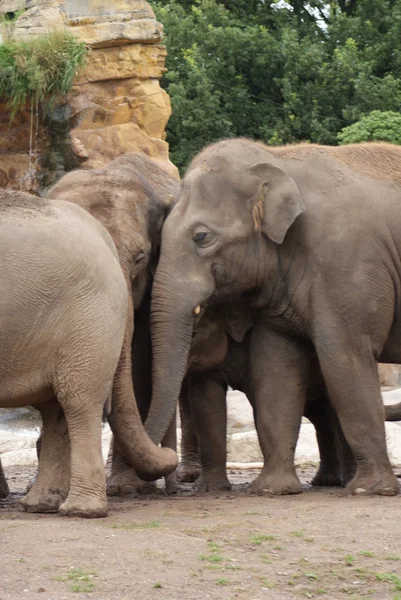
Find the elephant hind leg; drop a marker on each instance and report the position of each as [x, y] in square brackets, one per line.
[4, 489]
[321, 415]
[82, 400]
[353, 384]
[190, 465]
[50, 487]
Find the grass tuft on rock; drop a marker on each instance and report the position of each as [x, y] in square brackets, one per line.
[40, 69]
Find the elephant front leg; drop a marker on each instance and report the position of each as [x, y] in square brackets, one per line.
[209, 409]
[4, 489]
[279, 374]
[50, 487]
[190, 466]
[353, 384]
[83, 402]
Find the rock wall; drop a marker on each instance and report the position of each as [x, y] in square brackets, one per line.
[116, 104]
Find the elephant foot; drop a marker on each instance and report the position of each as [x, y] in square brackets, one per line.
[188, 473]
[382, 484]
[126, 482]
[170, 481]
[212, 482]
[276, 483]
[42, 501]
[324, 478]
[87, 507]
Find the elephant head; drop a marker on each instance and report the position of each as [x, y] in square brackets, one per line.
[131, 197]
[233, 211]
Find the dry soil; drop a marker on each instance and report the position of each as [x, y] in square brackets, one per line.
[220, 546]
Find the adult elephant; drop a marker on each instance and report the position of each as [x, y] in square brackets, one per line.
[311, 237]
[63, 315]
[131, 197]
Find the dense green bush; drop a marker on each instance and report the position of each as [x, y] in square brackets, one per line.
[277, 71]
[377, 126]
[41, 68]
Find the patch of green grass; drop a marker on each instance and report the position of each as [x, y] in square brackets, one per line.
[367, 553]
[301, 535]
[392, 557]
[81, 580]
[349, 560]
[157, 585]
[390, 578]
[213, 547]
[257, 540]
[362, 573]
[223, 581]
[298, 534]
[133, 525]
[311, 575]
[211, 558]
[277, 547]
[40, 68]
[267, 583]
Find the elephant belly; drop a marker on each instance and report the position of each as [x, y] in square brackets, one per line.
[28, 389]
[392, 349]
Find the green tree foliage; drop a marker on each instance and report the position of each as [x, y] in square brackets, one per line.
[277, 71]
[377, 126]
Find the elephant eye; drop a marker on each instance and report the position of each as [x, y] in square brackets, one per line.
[201, 238]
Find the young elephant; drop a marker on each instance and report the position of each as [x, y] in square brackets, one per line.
[219, 357]
[63, 316]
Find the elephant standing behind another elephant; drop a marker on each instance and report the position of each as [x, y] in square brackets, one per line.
[131, 197]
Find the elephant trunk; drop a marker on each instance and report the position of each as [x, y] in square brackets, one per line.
[393, 412]
[149, 461]
[172, 325]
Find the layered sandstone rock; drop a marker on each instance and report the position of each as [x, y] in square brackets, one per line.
[116, 104]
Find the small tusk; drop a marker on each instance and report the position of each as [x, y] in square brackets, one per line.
[197, 309]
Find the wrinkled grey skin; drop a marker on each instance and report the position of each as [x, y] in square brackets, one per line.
[219, 357]
[62, 319]
[131, 197]
[310, 236]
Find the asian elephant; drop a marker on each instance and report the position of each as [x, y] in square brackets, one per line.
[131, 197]
[219, 357]
[310, 237]
[63, 316]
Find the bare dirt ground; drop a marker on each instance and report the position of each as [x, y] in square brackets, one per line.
[219, 546]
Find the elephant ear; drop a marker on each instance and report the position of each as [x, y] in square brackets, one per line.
[278, 203]
[239, 323]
